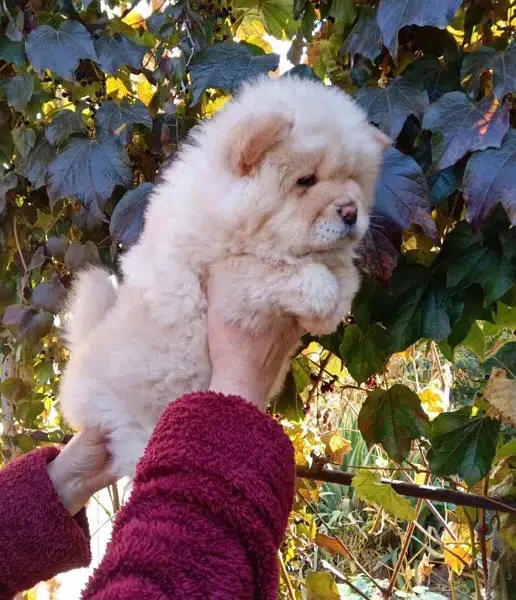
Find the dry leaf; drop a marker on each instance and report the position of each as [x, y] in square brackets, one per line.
[336, 447]
[500, 392]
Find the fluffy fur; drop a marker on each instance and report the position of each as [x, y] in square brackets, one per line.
[261, 193]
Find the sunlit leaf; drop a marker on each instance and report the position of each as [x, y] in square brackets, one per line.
[369, 487]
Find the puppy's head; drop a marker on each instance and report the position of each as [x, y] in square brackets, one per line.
[301, 165]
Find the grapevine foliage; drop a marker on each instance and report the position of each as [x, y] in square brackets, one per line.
[94, 98]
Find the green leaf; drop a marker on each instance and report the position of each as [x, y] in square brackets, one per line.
[15, 26]
[7, 182]
[320, 586]
[301, 372]
[505, 359]
[418, 308]
[127, 219]
[24, 442]
[476, 258]
[288, 402]
[390, 106]
[472, 299]
[276, 15]
[38, 161]
[505, 318]
[24, 139]
[502, 64]
[393, 418]
[368, 487]
[393, 15]
[364, 353]
[227, 66]
[463, 445]
[60, 50]
[490, 177]
[118, 51]
[19, 91]
[14, 389]
[343, 11]
[12, 52]
[508, 450]
[476, 341]
[460, 126]
[64, 124]
[119, 118]
[89, 169]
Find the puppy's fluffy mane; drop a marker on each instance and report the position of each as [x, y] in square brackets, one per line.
[263, 194]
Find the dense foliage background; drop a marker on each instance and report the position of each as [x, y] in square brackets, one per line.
[418, 383]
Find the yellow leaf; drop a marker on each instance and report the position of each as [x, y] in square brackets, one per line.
[320, 586]
[460, 546]
[424, 569]
[145, 91]
[331, 544]
[500, 393]
[368, 487]
[433, 401]
[214, 106]
[250, 27]
[135, 20]
[336, 447]
[116, 88]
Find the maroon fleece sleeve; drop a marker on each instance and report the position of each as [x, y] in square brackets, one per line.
[208, 510]
[38, 537]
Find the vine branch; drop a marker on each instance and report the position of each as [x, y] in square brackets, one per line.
[417, 491]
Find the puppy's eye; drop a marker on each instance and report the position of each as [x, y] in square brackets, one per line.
[308, 181]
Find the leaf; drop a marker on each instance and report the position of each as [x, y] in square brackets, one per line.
[19, 91]
[14, 389]
[116, 88]
[49, 295]
[436, 76]
[476, 341]
[500, 393]
[127, 219]
[79, 255]
[15, 26]
[276, 15]
[490, 177]
[288, 402]
[38, 259]
[344, 11]
[402, 194]
[459, 126]
[364, 353]
[89, 169]
[390, 106]
[331, 544]
[379, 249]
[24, 139]
[393, 15]
[60, 50]
[393, 418]
[443, 184]
[119, 118]
[301, 372]
[476, 258]
[336, 447]
[502, 64]
[145, 91]
[365, 38]
[368, 486]
[38, 161]
[432, 401]
[462, 445]
[505, 358]
[56, 246]
[508, 450]
[320, 586]
[7, 182]
[65, 124]
[227, 66]
[118, 51]
[12, 52]
[457, 543]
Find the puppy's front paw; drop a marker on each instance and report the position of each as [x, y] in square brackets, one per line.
[319, 292]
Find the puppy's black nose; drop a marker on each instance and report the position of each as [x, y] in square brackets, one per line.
[349, 213]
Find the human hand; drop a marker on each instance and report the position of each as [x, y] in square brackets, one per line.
[247, 363]
[81, 469]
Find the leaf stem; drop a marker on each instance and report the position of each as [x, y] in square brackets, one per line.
[286, 578]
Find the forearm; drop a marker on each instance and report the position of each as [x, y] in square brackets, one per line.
[38, 537]
[208, 510]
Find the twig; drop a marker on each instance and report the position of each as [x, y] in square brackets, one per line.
[322, 368]
[478, 592]
[286, 578]
[482, 531]
[440, 543]
[338, 574]
[439, 366]
[404, 548]
[17, 242]
[416, 491]
[115, 498]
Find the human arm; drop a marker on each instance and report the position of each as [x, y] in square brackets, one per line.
[43, 530]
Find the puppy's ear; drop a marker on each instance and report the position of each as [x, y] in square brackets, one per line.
[384, 140]
[255, 139]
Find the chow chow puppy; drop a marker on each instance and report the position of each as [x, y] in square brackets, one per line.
[274, 193]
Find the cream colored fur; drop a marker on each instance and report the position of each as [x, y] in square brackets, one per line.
[229, 202]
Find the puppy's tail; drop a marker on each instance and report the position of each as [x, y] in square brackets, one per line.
[93, 294]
